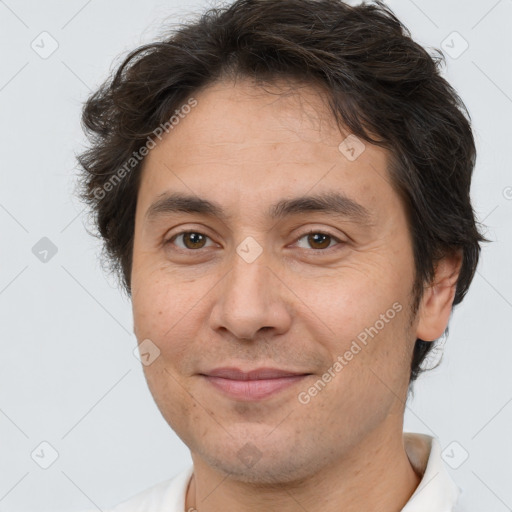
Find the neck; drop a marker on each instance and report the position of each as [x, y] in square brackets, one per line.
[377, 475]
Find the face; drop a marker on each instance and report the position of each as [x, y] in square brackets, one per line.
[321, 290]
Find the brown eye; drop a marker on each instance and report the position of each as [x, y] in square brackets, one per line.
[190, 239]
[318, 240]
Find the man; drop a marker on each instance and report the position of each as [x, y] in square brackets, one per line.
[284, 190]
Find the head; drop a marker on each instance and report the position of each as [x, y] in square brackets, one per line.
[244, 111]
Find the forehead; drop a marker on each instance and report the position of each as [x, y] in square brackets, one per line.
[244, 114]
[252, 145]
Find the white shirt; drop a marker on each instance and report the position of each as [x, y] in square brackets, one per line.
[437, 492]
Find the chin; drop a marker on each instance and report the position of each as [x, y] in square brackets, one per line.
[260, 465]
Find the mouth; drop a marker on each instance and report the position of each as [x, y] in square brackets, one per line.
[253, 385]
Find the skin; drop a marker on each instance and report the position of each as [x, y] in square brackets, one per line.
[297, 306]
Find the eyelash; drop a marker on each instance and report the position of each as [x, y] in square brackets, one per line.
[311, 232]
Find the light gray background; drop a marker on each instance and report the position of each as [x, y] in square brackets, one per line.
[68, 375]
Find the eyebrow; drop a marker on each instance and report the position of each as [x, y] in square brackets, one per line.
[333, 203]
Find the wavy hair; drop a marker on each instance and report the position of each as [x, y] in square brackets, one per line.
[383, 86]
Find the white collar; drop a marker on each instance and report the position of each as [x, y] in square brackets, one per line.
[436, 492]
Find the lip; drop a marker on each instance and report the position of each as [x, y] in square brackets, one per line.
[253, 385]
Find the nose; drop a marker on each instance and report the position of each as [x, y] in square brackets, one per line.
[251, 298]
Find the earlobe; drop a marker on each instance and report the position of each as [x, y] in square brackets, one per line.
[436, 303]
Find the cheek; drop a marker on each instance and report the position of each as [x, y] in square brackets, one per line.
[345, 301]
[160, 315]
[169, 311]
[361, 316]
[158, 302]
[373, 370]
[175, 404]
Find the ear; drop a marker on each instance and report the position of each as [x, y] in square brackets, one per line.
[436, 304]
